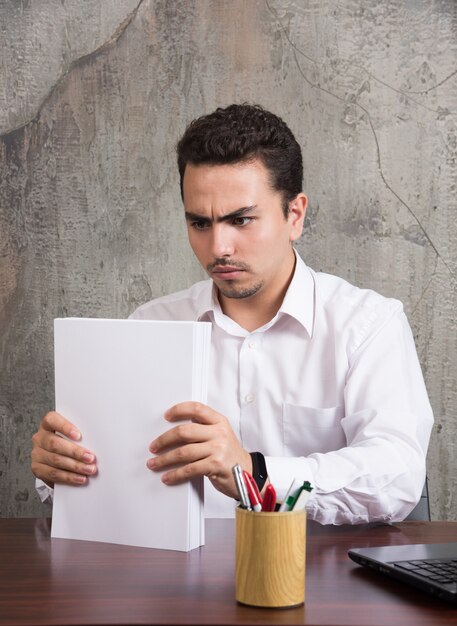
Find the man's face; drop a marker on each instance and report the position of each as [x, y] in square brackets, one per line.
[237, 228]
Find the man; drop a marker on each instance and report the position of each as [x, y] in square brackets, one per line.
[311, 377]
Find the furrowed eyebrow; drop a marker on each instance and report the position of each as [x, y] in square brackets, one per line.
[195, 217]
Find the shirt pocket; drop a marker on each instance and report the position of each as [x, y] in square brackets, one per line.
[307, 430]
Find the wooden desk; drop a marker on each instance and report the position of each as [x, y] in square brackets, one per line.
[58, 581]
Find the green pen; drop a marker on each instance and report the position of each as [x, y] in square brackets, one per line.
[302, 496]
[290, 496]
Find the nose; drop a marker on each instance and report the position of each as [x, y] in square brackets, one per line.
[222, 241]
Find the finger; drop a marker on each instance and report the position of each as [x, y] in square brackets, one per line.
[184, 473]
[56, 444]
[179, 456]
[195, 411]
[54, 422]
[51, 459]
[52, 476]
[222, 482]
[182, 434]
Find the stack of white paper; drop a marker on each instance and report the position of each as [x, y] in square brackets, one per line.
[114, 381]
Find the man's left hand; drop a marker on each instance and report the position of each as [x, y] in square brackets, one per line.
[205, 446]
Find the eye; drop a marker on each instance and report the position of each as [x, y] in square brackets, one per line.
[199, 224]
[241, 221]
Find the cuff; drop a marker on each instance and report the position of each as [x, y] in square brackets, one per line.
[283, 470]
[45, 492]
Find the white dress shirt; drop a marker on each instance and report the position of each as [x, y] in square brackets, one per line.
[330, 391]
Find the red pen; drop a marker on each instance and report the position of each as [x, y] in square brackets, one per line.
[253, 491]
[269, 499]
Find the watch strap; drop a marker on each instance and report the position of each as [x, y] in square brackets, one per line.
[259, 469]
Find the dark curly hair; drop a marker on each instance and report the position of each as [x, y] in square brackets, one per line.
[242, 133]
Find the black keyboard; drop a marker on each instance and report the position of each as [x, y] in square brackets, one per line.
[439, 570]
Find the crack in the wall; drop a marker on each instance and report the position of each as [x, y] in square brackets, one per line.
[400, 199]
[313, 85]
[109, 43]
[369, 74]
[432, 278]
[400, 91]
[427, 91]
[405, 93]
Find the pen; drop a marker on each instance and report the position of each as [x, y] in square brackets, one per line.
[241, 487]
[269, 499]
[253, 492]
[289, 500]
[302, 497]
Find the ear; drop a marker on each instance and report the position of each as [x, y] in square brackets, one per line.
[296, 217]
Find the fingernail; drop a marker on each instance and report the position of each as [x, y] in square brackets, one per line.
[89, 469]
[165, 479]
[88, 457]
[151, 463]
[153, 447]
[81, 479]
[75, 434]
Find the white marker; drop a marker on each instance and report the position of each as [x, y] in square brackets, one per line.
[290, 496]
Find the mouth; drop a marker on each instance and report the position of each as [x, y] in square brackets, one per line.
[226, 272]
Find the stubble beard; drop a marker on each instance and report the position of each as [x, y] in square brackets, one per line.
[228, 288]
[238, 293]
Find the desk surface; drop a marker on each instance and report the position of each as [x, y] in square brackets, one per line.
[59, 581]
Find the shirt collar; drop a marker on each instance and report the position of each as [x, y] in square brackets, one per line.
[207, 302]
[210, 311]
[298, 301]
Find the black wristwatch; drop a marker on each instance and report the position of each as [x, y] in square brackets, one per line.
[259, 469]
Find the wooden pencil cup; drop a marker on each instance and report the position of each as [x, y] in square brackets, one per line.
[270, 558]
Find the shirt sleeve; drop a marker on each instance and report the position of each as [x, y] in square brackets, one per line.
[379, 475]
[45, 493]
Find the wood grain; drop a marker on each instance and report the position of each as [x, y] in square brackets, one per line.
[52, 582]
[270, 558]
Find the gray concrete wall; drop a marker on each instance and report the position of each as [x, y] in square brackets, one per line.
[93, 96]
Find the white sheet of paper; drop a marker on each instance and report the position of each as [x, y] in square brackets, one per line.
[114, 381]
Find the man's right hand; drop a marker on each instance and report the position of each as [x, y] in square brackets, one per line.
[58, 460]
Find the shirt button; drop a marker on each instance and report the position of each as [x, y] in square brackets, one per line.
[250, 397]
[252, 344]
